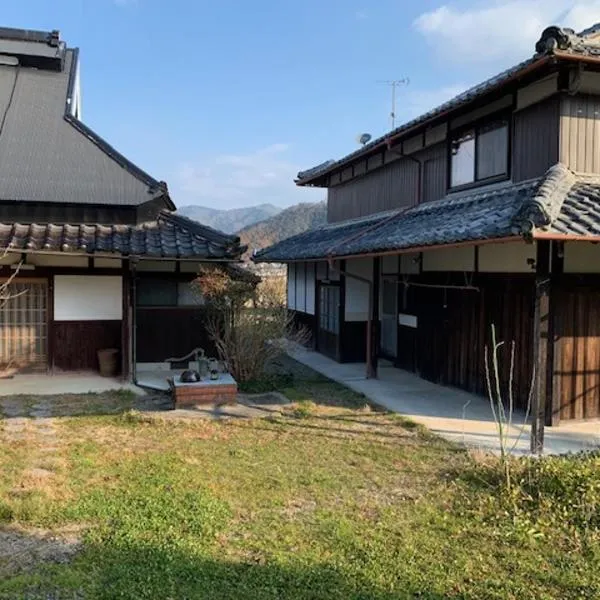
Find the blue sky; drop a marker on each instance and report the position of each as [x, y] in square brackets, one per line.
[227, 100]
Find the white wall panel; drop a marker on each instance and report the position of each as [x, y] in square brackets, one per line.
[357, 292]
[449, 259]
[582, 257]
[50, 260]
[510, 257]
[88, 298]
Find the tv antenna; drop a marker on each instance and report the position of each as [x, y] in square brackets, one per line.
[393, 84]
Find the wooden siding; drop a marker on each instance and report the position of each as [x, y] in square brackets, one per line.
[453, 330]
[42, 212]
[163, 333]
[576, 310]
[535, 139]
[580, 133]
[75, 344]
[393, 186]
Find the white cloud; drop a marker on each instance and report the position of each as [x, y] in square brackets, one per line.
[236, 180]
[361, 15]
[503, 30]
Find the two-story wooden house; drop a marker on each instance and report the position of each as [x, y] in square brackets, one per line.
[100, 260]
[483, 211]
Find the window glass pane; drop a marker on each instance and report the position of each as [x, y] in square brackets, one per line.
[156, 292]
[463, 159]
[492, 150]
[189, 294]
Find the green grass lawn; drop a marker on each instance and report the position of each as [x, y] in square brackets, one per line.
[329, 500]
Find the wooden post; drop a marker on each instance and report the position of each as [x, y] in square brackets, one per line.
[542, 345]
[374, 316]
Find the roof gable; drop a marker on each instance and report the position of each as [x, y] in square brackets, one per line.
[46, 153]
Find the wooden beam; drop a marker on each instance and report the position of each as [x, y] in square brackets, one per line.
[374, 316]
[542, 348]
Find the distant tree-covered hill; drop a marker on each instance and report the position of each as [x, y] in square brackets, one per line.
[232, 220]
[291, 221]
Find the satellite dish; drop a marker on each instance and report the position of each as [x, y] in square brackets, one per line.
[363, 138]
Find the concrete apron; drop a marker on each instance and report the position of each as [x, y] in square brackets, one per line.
[71, 383]
[451, 413]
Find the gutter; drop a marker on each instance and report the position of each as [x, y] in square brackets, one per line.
[413, 249]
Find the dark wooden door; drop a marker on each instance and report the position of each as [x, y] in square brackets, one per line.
[328, 337]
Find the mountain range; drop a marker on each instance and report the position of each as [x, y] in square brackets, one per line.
[232, 220]
[291, 221]
[262, 225]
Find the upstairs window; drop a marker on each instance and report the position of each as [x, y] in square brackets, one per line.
[479, 154]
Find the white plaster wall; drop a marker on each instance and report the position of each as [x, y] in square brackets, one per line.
[301, 287]
[291, 286]
[582, 257]
[449, 259]
[107, 263]
[510, 257]
[357, 292]
[190, 267]
[537, 91]
[50, 260]
[88, 298]
[310, 288]
[11, 258]
[409, 263]
[157, 265]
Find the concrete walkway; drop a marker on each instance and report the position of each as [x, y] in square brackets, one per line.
[69, 383]
[455, 415]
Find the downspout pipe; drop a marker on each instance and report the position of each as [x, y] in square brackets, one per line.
[371, 372]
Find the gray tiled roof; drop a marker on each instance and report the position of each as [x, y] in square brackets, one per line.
[49, 155]
[559, 203]
[553, 40]
[170, 236]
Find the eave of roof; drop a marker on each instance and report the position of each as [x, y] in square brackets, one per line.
[556, 205]
[170, 237]
[554, 44]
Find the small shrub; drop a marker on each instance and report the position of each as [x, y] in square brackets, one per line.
[250, 330]
[6, 512]
[548, 495]
[304, 409]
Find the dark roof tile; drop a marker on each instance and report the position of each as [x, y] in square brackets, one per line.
[169, 236]
[560, 202]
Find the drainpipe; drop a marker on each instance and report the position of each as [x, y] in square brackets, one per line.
[371, 372]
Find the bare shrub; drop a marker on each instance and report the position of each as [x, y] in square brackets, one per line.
[249, 329]
[502, 403]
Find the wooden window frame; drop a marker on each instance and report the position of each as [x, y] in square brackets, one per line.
[476, 126]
